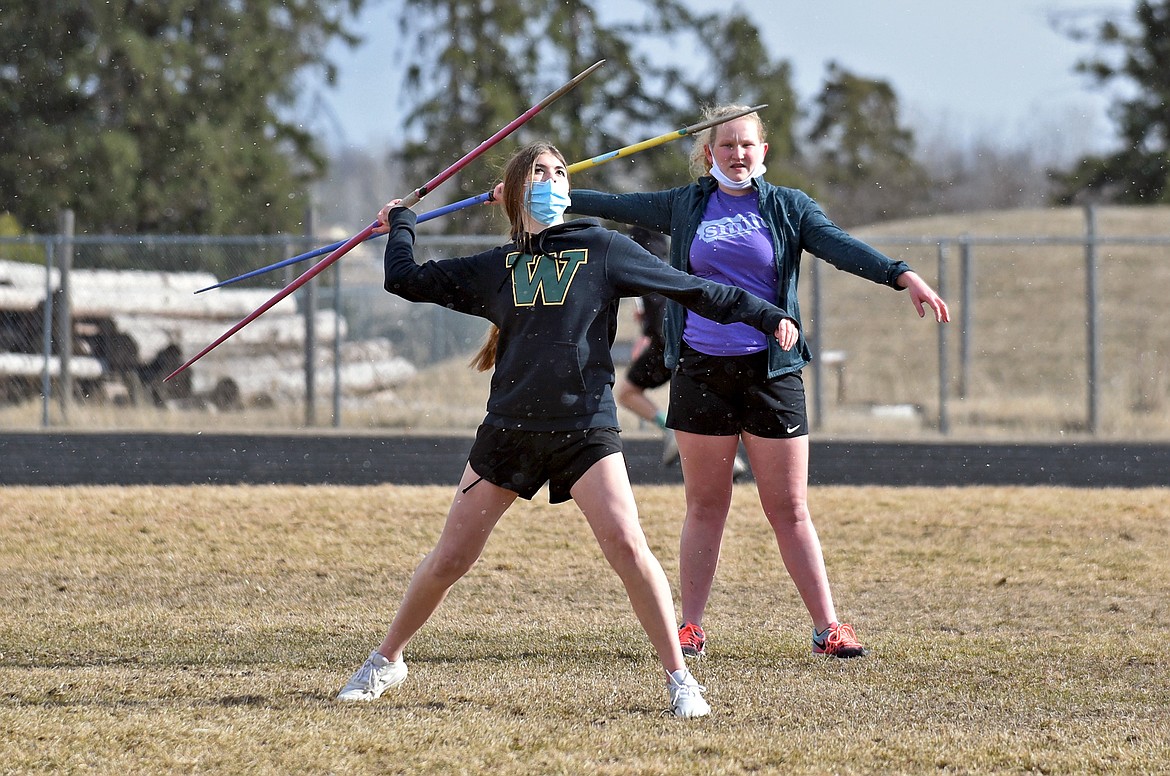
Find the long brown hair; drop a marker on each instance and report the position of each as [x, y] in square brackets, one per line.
[698, 160]
[517, 173]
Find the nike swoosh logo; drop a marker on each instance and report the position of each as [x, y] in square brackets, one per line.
[790, 429]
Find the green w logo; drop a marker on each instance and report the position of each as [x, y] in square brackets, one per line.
[546, 277]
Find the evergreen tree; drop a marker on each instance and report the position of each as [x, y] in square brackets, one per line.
[864, 156]
[1138, 54]
[729, 64]
[475, 66]
[160, 116]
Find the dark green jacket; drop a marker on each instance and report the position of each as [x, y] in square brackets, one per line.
[797, 224]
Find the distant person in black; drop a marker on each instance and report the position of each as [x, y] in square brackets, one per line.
[552, 295]
[647, 369]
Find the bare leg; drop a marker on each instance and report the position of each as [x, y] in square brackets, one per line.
[470, 521]
[781, 467]
[634, 399]
[605, 497]
[707, 468]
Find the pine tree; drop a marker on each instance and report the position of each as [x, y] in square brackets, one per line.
[475, 66]
[160, 116]
[1137, 53]
[865, 155]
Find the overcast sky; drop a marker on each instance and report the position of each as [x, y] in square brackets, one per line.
[983, 69]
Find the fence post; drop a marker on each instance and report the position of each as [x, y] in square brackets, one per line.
[817, 372]
[337, 344]
[309, 296]
[1093, 343]
[47, 335]
[965, 314]
[64, 312]
[944, 420]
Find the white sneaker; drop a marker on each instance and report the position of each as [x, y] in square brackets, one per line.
[669, 448]
[376, 676]
[686, 695]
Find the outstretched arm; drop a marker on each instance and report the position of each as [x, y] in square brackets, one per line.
[637, 272]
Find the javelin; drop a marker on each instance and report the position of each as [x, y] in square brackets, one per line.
[441, 211]
[410, 199]
[486, 197]
[657, 141]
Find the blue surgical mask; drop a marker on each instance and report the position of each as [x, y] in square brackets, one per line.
[547, 201]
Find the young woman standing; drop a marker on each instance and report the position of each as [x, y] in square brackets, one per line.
[730, 383]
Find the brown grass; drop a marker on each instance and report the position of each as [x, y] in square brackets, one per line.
[1028, 376]
[206, 629]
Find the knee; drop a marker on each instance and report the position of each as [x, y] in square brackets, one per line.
[624, 551]
[626, 391]
[709, 511]
[448, 566]
[792, 511]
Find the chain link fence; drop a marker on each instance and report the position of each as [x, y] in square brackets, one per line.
[1051, 337]
[91, 326]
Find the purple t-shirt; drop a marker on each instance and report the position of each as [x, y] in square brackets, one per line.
[733, 246]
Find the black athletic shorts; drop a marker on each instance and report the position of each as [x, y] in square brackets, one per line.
[649, 370]
[724, 395]
[522, 461]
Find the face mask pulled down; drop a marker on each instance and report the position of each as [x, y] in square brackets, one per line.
[727, 182]
[548, 200]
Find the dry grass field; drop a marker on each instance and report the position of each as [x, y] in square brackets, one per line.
[206, 630]
[1028, 335]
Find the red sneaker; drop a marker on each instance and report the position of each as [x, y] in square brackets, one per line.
[837, 640]
[692, 639]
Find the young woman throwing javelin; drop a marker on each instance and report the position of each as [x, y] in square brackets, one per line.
[552, 294]
[731, 383]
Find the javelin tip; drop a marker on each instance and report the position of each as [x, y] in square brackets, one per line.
[585, 73]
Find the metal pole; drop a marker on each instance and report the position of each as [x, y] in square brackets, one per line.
[965, 314]
[944, 421]
[337, 345]
[310, 311]
[479, 199]
[65, 316]
[818, 418]
[1093, 343]
[47, 337]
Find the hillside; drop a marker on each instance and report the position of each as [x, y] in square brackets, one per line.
[1050, 222]
[1028, 324]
